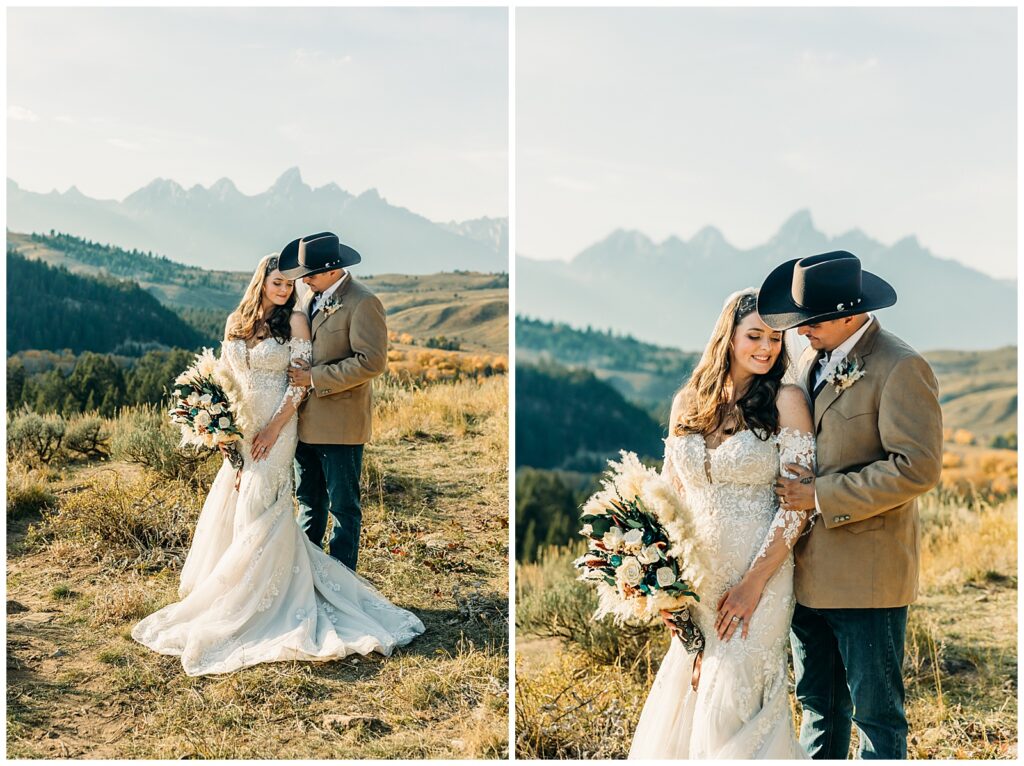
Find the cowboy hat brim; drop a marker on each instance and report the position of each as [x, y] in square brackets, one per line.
[288, 263]
[779, 311]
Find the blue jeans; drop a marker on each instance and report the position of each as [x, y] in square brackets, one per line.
[327, 481]
[848, 665]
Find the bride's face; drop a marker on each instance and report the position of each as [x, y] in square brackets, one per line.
[277, 289]
[755, 346]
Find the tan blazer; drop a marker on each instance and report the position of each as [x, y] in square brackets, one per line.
[879, 446]
[350, 349]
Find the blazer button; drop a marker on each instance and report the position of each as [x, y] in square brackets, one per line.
[837, 518]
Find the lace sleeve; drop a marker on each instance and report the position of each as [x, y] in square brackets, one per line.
[301, 351]
[670, 471]
[787, 526]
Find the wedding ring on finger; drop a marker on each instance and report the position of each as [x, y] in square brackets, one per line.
[736, 618]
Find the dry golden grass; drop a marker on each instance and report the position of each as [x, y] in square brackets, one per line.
[977, 473]
[435, 540]
[960, 665]
[962, 546]
[410, 364]
[28, 490]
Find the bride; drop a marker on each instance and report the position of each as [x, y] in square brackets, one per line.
[733, 426]
[254, 588]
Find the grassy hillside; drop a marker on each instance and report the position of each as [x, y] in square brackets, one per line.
[978, 390]
[472, 308]
[469, 307]
[171, 283]
[642, 372]
[93, 546]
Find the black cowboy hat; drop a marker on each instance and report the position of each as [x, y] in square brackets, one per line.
[315, 254]
[819, 288]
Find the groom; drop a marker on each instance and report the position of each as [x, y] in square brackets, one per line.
[350, 349]
[878, 428]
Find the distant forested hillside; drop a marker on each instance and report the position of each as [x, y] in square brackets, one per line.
[90, 382]
[51, 308]
[641, 372]
[135, 264]
[569, 419]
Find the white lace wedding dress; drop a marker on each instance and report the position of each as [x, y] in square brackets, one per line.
[254, 588]
[741, 708]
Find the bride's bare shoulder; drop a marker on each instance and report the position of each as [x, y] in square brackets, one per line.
[793, 406]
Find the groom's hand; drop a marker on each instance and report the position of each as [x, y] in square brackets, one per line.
[299, 376]
[796, 494]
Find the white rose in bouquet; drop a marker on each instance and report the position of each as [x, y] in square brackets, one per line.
[630, 572]
[223, 422]
[633, 540]
[193, 399]
[613, 538]
[206, 400]
[665, 576]
[216, 409]
[648, 555]
[203, 419]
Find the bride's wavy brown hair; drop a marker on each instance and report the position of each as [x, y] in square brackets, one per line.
[706, 401]
[244, 320]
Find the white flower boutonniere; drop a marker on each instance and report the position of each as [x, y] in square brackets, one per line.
[846, 373]
[330, 308]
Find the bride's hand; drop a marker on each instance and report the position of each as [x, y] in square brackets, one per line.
[666, 617]
[263, 443]
[738, 602]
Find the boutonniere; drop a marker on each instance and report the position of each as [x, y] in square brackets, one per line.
[330, 308]
[846, 373]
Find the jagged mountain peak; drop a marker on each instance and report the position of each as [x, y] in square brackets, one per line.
[800, 222]
[159, 189]
[621, 238]
[223, 188]
[707, 240]
[371, 195]
[289, 182]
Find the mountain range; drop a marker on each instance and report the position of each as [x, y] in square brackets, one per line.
[671, 293]
[221, 228]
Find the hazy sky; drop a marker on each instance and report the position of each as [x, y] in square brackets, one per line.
[413, 102]
[896, 121]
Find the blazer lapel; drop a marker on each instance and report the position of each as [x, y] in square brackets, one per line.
[336, 297]
[861, 349]
[319, 319]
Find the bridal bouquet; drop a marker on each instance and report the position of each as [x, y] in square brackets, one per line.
[203, 410]
[641, 555]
